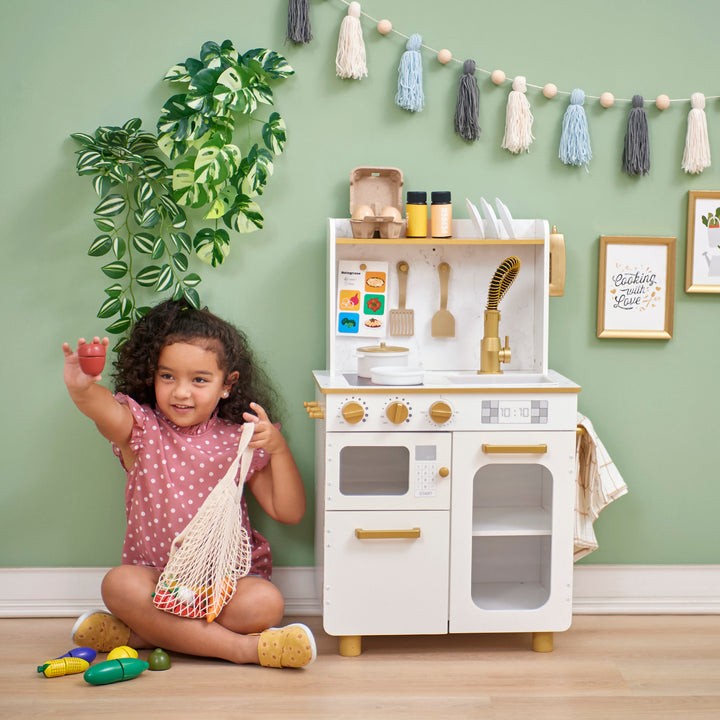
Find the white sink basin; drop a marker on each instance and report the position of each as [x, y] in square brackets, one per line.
[506, 378]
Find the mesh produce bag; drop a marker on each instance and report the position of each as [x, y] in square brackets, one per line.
[213, 551]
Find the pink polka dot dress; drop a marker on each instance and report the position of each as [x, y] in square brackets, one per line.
[174, 471]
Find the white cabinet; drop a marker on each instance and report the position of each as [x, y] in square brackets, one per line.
[386, 573]
[511, 537]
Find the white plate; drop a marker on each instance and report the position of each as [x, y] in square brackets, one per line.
[475, 217]
[492, 229]
[390, 375]
[505, 216]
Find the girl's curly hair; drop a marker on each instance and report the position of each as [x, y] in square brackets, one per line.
[177, 321]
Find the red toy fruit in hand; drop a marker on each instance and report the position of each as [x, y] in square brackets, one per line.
[92, 358]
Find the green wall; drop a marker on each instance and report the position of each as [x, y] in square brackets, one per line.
[73, 65]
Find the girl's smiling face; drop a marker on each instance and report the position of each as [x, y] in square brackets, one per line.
[189, 383]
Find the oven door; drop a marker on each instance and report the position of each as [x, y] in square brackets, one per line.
[388, 471]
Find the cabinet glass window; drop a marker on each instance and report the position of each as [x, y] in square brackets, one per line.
[512, 543]
[374, 470]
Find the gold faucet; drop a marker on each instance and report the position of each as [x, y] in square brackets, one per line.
[491, 352]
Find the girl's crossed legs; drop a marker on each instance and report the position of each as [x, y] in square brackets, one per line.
[256, 606]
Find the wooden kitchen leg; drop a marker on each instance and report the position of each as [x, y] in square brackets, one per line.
[542, 642]
[350, 645]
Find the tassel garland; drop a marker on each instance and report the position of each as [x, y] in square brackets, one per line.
[467, 110]
[575, 137]
[636, 153]
[697, 146]
[518, 118]
[298, 24]
[350, 58]
[409, 94]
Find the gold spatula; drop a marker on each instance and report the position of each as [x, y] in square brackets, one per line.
[402, 320]
[443, 322]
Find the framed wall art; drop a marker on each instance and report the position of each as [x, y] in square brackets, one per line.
[636, 287]
[702, 266]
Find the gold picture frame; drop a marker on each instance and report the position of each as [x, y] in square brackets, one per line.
[636, 287]
[702, 264]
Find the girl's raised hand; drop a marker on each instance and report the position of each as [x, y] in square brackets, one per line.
[266, 435]
[73, 375]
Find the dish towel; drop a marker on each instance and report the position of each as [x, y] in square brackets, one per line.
[598, 484]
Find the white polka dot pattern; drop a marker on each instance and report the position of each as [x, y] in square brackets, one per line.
[175, 470]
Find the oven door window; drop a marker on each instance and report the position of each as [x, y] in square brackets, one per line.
[374, 470]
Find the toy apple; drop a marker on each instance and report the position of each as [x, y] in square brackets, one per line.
[92, 358]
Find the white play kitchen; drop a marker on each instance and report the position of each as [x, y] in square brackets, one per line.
[445, 446]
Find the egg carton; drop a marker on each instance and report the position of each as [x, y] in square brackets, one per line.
[376, 202]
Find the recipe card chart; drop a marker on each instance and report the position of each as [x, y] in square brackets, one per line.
[362, 298]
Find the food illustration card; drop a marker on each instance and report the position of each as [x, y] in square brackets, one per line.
[361, 301]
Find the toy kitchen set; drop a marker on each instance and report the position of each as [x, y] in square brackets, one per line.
[445, 446]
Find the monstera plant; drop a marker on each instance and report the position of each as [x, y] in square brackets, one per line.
[153, 186]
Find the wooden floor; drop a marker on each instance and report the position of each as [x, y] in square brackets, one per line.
[653, 667]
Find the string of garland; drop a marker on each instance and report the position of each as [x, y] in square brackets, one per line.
[575, 148]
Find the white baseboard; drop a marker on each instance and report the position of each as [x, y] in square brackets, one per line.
[598, 589]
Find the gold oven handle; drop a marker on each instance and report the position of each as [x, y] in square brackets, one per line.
[539, 449]
[386, 534]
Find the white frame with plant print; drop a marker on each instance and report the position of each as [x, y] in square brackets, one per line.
[636, 287]
[702, 267]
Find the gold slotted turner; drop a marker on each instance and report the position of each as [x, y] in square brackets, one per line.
[443, 322]
[402, 320]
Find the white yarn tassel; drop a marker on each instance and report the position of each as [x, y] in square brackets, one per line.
[697, 146]
[350, 58]
[518, 118]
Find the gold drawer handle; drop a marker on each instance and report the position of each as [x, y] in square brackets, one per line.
[386, 534]
[540, 449]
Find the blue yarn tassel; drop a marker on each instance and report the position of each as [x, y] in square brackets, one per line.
[575, 138]
[410, 93]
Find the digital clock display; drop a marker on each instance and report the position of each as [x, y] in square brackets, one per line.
[514, 411]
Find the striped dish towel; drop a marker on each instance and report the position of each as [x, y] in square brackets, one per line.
[598, 484]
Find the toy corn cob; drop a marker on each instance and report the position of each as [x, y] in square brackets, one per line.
[63, 666]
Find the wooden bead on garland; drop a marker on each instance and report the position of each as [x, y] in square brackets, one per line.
[607, 99]
[384, 27]
[550, 91]
[662, 102]
[498, 77]
[444, 56]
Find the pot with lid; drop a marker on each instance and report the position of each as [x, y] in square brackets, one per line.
[381, 355]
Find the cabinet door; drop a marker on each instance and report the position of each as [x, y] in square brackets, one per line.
[512, 531]
[386, 573]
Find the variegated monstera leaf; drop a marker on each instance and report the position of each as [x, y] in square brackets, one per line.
[143, 181]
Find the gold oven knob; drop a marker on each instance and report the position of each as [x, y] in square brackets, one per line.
[440, 412]
[397, 412]
[353, 412]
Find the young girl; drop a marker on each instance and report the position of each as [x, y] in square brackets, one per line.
[185, 382]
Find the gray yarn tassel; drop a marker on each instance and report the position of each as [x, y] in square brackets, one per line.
[466, 112]
[636, 153]
[298, 24]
